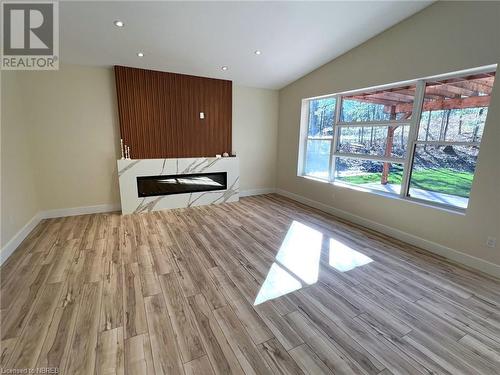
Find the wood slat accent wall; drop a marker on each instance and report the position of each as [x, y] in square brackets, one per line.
[160, 114]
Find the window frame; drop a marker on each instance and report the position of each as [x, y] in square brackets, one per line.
[412, 141]
[305, 138]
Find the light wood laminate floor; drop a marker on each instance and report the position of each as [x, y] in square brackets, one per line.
[261, 286]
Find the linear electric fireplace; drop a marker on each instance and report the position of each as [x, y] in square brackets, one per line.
[148, 186]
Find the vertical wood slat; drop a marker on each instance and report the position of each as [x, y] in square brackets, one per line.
[159, 114]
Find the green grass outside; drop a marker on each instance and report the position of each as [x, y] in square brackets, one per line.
[440, 180]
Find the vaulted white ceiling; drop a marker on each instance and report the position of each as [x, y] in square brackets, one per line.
[199, 38]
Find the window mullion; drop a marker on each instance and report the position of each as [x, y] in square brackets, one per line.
[356, 124]
[379, 158]
[448, 143]
[335, 139]
[412, 136]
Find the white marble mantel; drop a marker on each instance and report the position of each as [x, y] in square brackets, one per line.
[130, 169]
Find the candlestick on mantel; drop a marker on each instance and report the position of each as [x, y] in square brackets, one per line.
[121, 149]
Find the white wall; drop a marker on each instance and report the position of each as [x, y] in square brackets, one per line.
[68, 120]
[74, 130]
[255, 136]
[19, 200]
[445, 37]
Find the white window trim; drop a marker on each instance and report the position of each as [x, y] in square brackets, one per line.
[384, 159]
[412, 137]
[448, 143]
[369, 124]
[412, 141]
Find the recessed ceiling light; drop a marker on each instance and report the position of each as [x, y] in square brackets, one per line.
[140, 54]
[119, 23]
[224, 67]
[258, 52]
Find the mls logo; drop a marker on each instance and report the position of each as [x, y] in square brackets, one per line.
[30, 35]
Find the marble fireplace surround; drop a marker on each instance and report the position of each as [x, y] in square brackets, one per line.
[130, 169]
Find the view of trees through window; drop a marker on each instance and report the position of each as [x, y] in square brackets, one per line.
[320, 135]
[321, 114]
[370, 141]
[454, 125]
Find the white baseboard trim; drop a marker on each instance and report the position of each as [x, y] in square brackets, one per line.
[433, 247]
[74, 211]
[247, 193]
[15, 241]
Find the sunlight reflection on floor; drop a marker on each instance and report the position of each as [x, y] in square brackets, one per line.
[297, 263]
[300, 252]
[343, 258]
[278, 283]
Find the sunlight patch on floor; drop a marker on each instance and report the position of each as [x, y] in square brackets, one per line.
[297, 263]
[300, 252]
[278, 283]
[343, 258]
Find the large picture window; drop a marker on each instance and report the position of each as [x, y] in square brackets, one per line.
[419, 140]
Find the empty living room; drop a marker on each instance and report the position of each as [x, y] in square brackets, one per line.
[250, 187]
